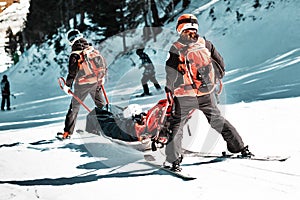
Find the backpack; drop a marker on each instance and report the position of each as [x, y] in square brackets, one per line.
[92, 64]
[2, 85]
[197, 69]
[154, 123]
[5, 87]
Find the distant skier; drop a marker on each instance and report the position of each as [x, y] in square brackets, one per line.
[149, 72]
[85, 81]
[190, 79]
[5, 89]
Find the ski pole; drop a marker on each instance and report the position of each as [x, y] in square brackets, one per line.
[62, 83]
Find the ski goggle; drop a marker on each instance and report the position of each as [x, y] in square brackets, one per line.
[186, 21]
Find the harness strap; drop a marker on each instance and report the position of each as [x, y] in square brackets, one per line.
[184, 62]
[92, 73]
[195, 83]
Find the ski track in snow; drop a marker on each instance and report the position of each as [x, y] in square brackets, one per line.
[269, 66]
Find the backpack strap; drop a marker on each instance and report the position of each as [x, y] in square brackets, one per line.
[79, 53]
[183, 66]
[181, 48]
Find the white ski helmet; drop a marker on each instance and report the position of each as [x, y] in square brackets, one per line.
[74, 35]
[132, 110]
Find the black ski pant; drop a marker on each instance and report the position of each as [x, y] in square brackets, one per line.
[149, 77]
[5, 98]
[207, 104]
[81, 91]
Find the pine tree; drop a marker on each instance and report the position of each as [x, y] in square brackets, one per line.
[11, 43]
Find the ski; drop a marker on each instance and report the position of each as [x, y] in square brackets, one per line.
[141, 96]
[154, 163]
[225, 155]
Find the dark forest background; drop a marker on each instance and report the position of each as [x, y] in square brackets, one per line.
[108, 17]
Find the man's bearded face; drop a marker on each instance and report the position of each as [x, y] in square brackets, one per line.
[189, 35]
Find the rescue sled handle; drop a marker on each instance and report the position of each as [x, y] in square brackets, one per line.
[220, 87]
[62, 83]
[105, 95]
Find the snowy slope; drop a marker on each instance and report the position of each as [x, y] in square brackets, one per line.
[262, 59]
[35, 165]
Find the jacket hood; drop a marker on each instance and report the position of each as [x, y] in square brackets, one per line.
[80, 44]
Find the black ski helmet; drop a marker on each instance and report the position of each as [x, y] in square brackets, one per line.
[74, 35]
[139, 51]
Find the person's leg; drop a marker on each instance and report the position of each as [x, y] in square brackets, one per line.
[155, 82]
[81, 92]
[183, 105]
[208, 106]
[97, 96]
[8, 102]
[3, 102]
[146, 89]
[144, 81]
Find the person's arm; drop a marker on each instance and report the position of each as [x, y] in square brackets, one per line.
[8, 88]
[171, 69]
[217, 59]
[73, 69]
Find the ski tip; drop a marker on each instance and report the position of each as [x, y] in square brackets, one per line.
[59, 138]
[59, 133]
[191, 178]
[188, 178]
[284, 159]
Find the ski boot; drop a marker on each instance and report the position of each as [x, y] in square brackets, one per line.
[157, 86]
[144, 94]
[245, 153]
[146, 91]
[174, 166]
[63, 136]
